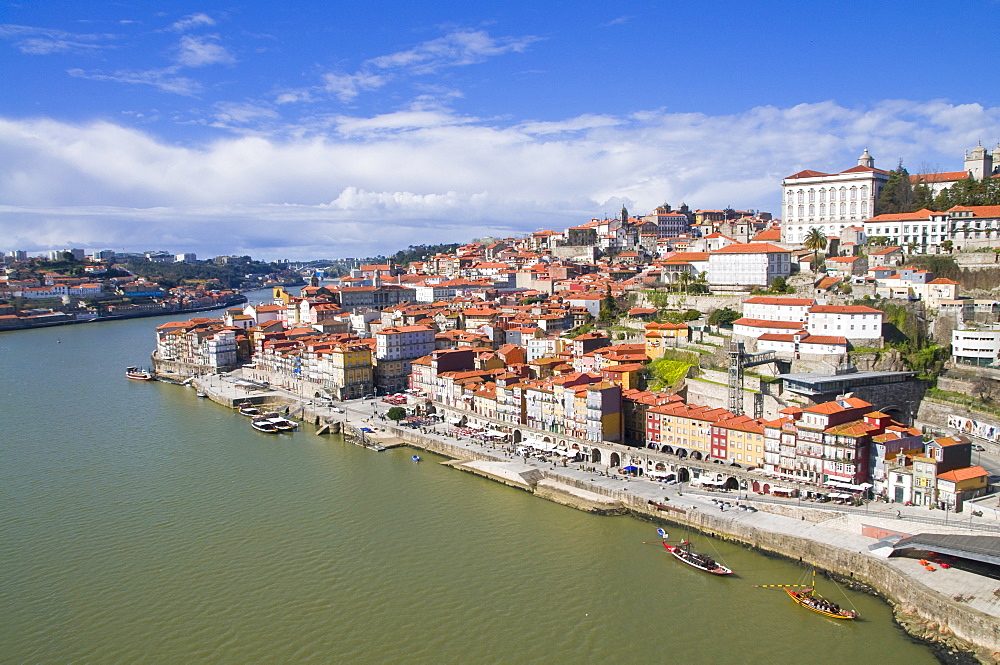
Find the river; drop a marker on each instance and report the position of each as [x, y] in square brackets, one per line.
[140, 524]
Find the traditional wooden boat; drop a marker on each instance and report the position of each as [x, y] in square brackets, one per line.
[809, 599]
[283, 424]
[264, 425]
[249, 410]
[139, 374]
[682, 552]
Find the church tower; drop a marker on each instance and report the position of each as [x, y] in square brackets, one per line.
[979, 163]
[866, 160]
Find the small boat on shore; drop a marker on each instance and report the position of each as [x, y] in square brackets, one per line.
[682, 552]
[138, 374]
[415, 458]
[264, 425]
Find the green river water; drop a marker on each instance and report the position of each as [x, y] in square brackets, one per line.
[139, 524]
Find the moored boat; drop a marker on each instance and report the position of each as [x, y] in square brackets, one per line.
[138, 374]
[809, 599]
[249, 410]
[264, 425]
[283, 424]
[682, 552]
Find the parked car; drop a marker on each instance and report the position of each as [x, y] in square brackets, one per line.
[978, 447]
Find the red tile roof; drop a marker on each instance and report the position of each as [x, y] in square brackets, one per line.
[967, 473]
[751, 248]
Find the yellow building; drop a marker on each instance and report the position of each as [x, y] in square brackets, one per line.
[661, 336]
[347, 370]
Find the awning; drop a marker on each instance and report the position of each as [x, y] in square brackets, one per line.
[455, 421]
[712, 482]
[494, 432]
[782, 490]
[847, 486]
[840, 495]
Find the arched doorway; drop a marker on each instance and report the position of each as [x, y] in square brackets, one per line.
[546, 439]
[660, 466]
[766, 489]
[595, 456]
[756, 487]
[668, 450]
[682, 453]
[731, 484]
[615, 460]
[683, 475]
[517, 436]
[696, 455]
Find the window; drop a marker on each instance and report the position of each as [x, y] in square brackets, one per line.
[854, 193]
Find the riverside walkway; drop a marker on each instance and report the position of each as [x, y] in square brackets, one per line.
[829, 526]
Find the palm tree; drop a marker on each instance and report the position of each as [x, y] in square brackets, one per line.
[815, 240]
[684, 280]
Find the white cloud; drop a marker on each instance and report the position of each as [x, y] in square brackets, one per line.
[459, 48]
[463, 47]
[373, 184]
[201, 51]
[165, 79]
[348, 86]
[46, 41]
[193, 21]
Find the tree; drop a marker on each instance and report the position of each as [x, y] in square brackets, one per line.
[947, 246]
[723, 317]
[815, 240]
[897, 195]
[779, 285]
[684, 280]
[395, 413]
[609, 307]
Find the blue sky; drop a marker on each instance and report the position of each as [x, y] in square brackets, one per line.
[303, 130]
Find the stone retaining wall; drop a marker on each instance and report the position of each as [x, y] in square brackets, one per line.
[922, 611]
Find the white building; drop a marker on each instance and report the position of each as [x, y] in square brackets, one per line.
[777, 309]
[220, 349]
[830, 201]
[404, 342]
[976, 346]
[967, 227]
[756, 327]
[802, 343]
[850, 321]
[748, 264]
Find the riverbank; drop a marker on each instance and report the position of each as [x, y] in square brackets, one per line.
[954, 608]
[30, 323]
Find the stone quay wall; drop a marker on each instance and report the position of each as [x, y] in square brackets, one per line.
[923, 612]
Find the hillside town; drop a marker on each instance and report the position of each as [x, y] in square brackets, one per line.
[69, 286]
[707, 336]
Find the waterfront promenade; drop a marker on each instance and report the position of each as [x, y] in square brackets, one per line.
[833, 530]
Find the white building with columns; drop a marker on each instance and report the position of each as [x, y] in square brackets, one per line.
[829, 201]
